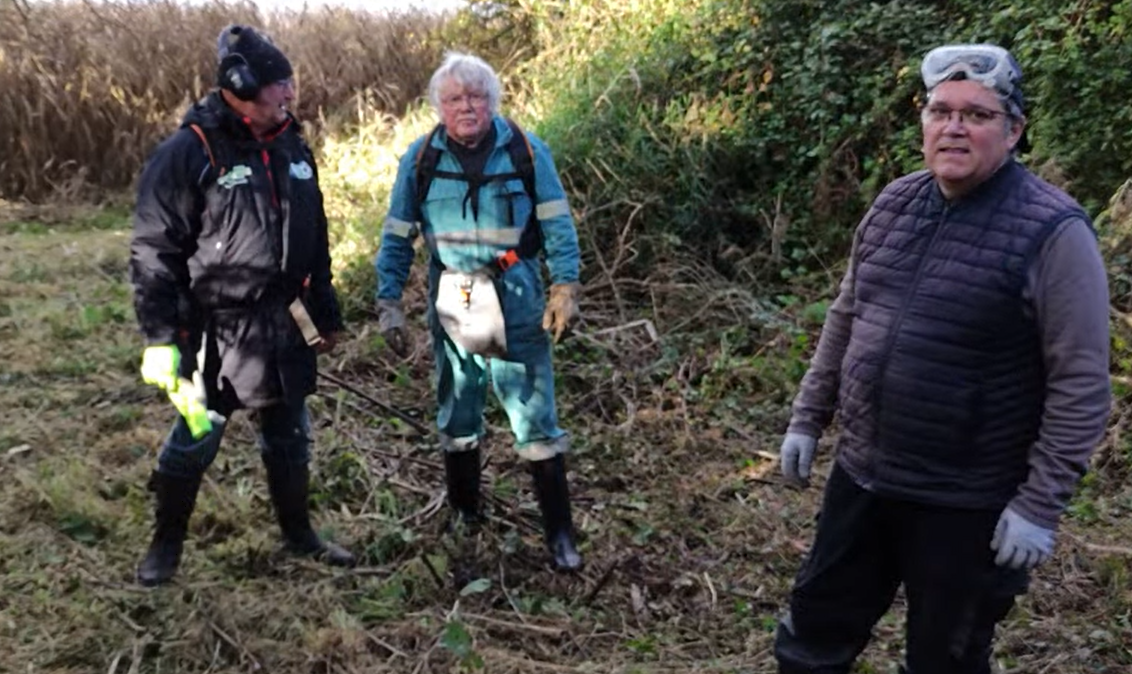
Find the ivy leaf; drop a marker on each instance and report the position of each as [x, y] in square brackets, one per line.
[477, 586]
[456, 639]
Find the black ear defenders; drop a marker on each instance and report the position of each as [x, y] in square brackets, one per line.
[234, 73]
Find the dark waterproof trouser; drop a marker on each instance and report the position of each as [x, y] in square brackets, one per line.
[865, 547]
[283, 434]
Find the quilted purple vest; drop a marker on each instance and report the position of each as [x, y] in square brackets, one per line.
[942, 383]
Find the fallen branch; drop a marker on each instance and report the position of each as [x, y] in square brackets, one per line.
[525, 664]
[430, 509]
[645, 323]
[513, 626]
[387, 646]
[432, 572]
[240, 648]
[1103, 549]
[417, 426]
[435, 465]
[601, 582]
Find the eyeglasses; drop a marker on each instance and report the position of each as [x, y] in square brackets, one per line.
[476, 100]
[941, 114]
[990, 65]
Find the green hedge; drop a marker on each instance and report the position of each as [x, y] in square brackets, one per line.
[766, 126]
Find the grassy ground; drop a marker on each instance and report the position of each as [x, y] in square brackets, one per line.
[690, 540]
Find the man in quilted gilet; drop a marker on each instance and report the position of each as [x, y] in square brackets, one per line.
[966, 357]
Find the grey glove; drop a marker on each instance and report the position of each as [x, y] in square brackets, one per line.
[391, 325]
[1019, 542]
[796, 455]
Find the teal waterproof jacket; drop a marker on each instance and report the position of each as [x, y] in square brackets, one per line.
[466, 238]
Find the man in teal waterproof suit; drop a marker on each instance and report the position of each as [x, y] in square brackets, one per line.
[487, 198]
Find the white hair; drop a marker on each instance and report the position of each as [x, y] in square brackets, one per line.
[470, 72]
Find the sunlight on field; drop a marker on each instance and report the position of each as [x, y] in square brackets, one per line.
[78, 443]
[357, 171]
[686, 528]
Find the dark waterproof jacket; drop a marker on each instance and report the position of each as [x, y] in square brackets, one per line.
[943, 384]
[225, 237]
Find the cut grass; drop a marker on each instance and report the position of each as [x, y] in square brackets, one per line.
[690, 542]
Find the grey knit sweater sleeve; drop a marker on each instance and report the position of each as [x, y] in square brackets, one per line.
[1068, 290]
[816, 402]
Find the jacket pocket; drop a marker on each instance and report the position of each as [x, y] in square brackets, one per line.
[512, 203]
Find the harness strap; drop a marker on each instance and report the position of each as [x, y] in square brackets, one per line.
[522, 158]
[207, 147]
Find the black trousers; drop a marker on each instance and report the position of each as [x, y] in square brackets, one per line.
[866, 546]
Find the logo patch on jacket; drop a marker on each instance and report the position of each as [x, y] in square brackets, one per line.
[302, 171]
[237, 176]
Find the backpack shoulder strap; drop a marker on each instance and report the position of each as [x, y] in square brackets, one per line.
[216, 166]
[427, 159]
[522, 156]
[204, 140]
[523, 159]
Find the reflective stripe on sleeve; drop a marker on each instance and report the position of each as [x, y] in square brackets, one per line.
[399, 228]
[551, 209]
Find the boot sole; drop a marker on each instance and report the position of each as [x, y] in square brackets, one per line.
[153, 581]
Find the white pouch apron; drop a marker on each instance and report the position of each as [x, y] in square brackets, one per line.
[467, 305]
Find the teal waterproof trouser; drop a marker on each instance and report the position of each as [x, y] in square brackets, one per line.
[523, 383]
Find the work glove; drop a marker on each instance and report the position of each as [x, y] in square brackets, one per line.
[160, 365]
[328, 344]
[1019, 542]
[561, 308]
[796, 456]
[190, 400]
[391, 325]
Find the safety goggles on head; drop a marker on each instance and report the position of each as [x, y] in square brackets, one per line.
[987, 64]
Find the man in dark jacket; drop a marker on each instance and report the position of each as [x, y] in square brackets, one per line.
[230, 264]
[967, 358]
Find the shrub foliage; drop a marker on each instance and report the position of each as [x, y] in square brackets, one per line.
[768, 125]
[753, 132]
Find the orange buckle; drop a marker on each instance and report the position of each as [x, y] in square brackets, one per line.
[508, 260]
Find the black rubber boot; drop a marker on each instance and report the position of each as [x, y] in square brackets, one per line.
[289, 485]
[175, 498]
[462, 470]
[554, 501]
